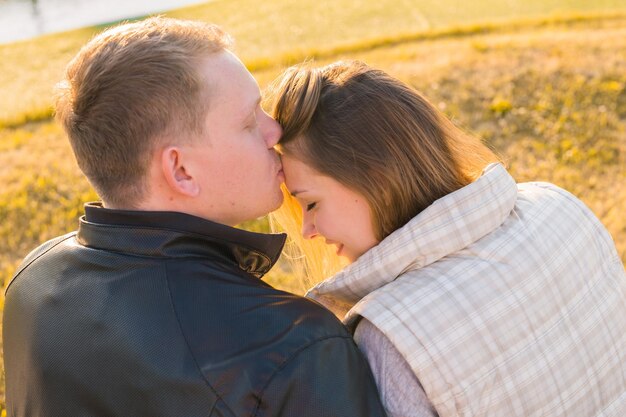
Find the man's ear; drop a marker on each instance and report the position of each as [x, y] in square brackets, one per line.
[175, 174]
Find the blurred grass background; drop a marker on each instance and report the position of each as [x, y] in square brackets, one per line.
[542, 82]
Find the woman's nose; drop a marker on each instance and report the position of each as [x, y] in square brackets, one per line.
[308, 229]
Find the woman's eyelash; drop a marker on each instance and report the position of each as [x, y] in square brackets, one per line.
[310, 206]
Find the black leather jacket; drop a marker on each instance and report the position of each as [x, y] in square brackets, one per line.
[164, 314]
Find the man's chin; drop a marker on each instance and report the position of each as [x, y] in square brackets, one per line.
[270, 207]
[280, 198]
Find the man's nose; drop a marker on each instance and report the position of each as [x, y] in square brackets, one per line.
[272, 133]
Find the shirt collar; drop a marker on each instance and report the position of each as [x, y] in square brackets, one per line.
[174, 234]
[448, 225]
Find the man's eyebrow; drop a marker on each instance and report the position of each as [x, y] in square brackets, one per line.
[250, 110]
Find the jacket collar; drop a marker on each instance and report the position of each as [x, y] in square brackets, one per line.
[178, 235]
[448, 225]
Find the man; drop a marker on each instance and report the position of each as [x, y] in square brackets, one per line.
[155, 306]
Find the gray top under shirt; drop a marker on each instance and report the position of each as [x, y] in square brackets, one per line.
[400, 391]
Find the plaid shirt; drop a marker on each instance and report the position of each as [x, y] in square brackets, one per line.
[505, 299]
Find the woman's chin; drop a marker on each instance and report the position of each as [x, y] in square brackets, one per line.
[343, 253]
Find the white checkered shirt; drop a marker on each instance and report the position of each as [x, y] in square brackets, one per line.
[505, 300]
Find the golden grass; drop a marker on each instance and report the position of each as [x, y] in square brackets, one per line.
[286, 31]
[548, 94]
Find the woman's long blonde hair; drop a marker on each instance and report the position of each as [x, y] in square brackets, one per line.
[376, 136]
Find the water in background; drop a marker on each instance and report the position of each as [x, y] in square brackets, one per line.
[22, 19]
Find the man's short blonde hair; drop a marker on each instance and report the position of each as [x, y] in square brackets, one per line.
[128, 88]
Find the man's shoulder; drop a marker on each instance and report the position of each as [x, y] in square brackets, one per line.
[235, 324]
[230, 297]
[301, 323]
[45, 248]
[310, 315]
[39, 252]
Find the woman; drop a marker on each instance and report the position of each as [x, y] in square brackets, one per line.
[468, 293]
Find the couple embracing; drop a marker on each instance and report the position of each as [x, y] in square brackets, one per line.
[466, 294]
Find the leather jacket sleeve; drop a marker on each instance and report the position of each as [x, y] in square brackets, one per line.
[327, 378]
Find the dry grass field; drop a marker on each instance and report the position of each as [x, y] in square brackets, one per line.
[547, 93]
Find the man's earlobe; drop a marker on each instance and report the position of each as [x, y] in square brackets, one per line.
[176, 175]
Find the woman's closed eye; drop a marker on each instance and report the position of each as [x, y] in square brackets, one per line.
[310, 206]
